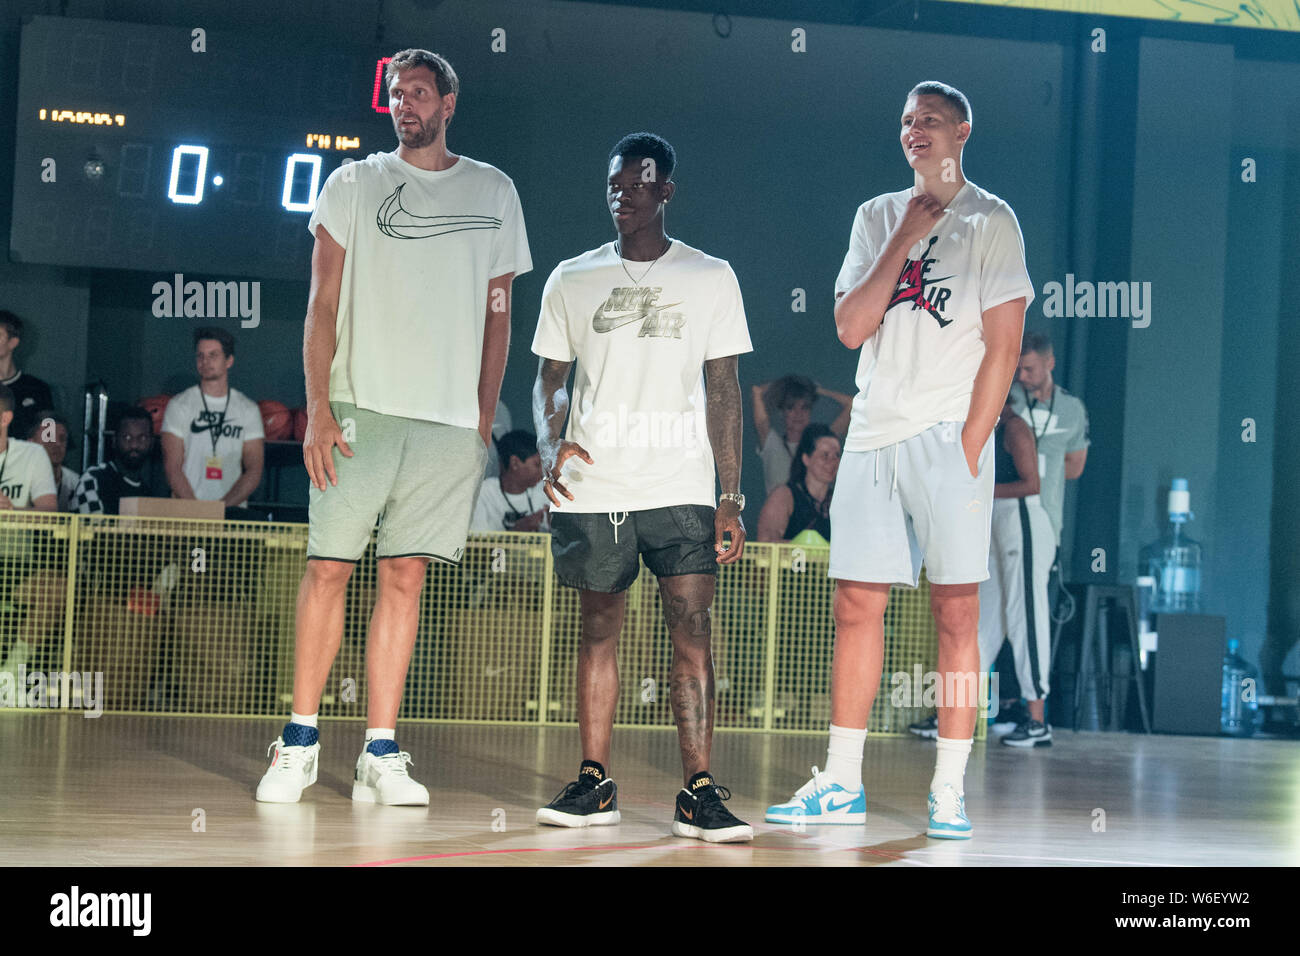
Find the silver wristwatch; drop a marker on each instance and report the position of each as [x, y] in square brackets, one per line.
[733, 496]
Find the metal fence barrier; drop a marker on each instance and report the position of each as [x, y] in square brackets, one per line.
[184, 617]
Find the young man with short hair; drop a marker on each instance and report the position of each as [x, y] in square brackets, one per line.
[1059, 423]
[212, 438]
[793, 397]
[30, 393]
[933, 290]
[102, 487]
[656, 328]
[50, 431]
[514, 500]
[407, 331]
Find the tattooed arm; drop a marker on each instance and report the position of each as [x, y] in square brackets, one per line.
[550, 407]
[725, 418]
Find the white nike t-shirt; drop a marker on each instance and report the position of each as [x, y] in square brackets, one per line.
[232, 418]
[421, 246]
[25, 473]
[919, 367]
[638, 403]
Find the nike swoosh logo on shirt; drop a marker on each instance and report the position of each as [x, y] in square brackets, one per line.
[396, 222]
[604, 321]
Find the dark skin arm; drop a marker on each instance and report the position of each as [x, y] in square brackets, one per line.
[1020, 442]
[550, 408]
[724, 415]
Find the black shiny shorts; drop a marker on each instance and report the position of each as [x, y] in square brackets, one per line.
[598, 552]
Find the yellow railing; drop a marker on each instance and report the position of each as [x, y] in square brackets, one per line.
[197, 618]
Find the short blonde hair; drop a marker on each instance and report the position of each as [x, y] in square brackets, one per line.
[444, 75]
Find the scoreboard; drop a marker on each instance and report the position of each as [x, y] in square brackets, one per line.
[180, 150]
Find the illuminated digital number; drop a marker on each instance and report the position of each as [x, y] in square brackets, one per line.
[299, 191]
[189, 172]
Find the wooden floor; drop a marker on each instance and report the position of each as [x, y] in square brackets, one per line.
[125, 790]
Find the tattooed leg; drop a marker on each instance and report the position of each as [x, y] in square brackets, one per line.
[602, 620]
[687, 599]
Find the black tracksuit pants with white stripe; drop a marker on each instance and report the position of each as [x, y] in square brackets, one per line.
[1013, 601]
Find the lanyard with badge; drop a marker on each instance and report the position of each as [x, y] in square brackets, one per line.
[212, 465]
[510, 506]
[1031, 404]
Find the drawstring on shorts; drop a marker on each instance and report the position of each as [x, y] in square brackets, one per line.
[875, 477]
[618, 522]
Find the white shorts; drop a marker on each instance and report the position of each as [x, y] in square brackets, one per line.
[912, 502]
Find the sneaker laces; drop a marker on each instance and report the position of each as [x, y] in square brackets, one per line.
[818, 783]
[396, 763]
[575, 788]
[947, 803]
[715, 793]
[283, 763]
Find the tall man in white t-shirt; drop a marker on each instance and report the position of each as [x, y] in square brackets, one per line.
[408, 325]
[656, 328]
[212, 438]
[933, 290]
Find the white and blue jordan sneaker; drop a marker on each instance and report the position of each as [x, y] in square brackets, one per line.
[821, 801]
[948, 819]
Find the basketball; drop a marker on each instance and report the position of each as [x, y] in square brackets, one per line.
[277, 420]
[156, 405]
[299, 424]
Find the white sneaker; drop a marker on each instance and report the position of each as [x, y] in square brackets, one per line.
[948, 820]
[292, 771]
[821, 800]
[385, 780]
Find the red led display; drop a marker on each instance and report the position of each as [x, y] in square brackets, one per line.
[379, 86]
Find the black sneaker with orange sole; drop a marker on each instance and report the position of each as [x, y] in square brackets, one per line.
[700, 814]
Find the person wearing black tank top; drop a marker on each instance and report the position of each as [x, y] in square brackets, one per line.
[804, 502]
[1013, 601]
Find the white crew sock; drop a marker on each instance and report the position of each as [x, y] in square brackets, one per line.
[844, 756]
[381, 733]
[950, 764]
[304, 720]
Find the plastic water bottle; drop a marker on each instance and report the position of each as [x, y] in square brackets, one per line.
[1238, 716]
[1175, 560]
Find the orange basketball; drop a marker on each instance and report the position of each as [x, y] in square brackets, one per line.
[156, 405]
[299, 424]
[277, 420]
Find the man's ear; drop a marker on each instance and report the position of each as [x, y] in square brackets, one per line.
[6, 419]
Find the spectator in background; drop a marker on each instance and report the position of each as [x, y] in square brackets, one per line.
[30, 393]
[50, 431]
[502, 422]
[103, 487]
[804, 502]
[793, 396]
[514, 500]
[212, 434]
[26, 475]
